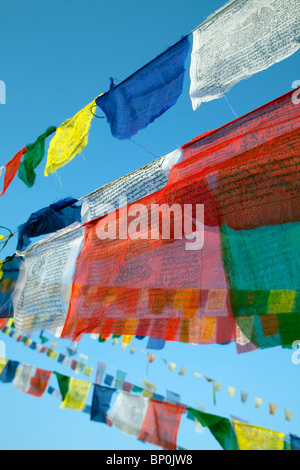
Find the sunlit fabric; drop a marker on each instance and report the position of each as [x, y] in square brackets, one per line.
[10, 272]
[220, 428]
[41, 296]
[77, 394]
[241, 39]
[130, 188]
[128, 413]
[161, 424]
[50, 219]
[101, 403]
[70, 140]
[33, 157]
[11, 169]
[256, 438]
[147, 94]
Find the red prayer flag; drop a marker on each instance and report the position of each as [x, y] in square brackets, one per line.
[11, 169]
[39, 383]
[161, 424]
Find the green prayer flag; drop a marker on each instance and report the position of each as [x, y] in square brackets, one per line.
[33, 157]
[220, 428]
[63, 383]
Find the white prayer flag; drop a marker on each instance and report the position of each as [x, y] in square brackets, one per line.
[241, 39]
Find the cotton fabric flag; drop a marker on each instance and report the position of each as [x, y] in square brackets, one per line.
[239, 40]
[128, 413]
[161, 424]
[272, 408]
[70, 140]
[109, 380]
[295, 442]
[11, 169]
[130, 188]
[101, 403]
[41, 295]
[22, 378]
[258, 402]
[77, 395]
[156, 343]
[244, 397]
[48, 220]
[9, 372]
[172, 397]
[33, 157]
[220, 428]
[120, 378]
[256, 438]
[147, 94]
[39, 383]
[231, 391]
[100, 373]
[288, 415]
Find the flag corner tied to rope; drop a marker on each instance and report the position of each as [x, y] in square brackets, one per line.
[240, 40]
[70, 140]
[33, 157]
[147, 94]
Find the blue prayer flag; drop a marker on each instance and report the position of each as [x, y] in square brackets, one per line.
[9, 372]
[101, 403]
[147, 94]
[49, 220]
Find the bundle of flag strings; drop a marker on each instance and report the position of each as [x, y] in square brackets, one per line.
[150, 420]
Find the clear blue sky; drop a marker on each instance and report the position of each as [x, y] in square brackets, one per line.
[55, 57]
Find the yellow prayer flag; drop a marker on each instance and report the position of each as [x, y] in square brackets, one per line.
[70, 139]
[3, 363]
[231, 391]
[127, 339]
[1, 272]
[88, 371]
[77, 395]
[256, 438]
[172, 366]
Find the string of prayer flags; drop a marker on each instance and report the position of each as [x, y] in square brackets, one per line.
[70, 140]
[220, 428]
[101, 401]
[147, 94]
[128, 413]
[161, 424]
[256, 438]
[33, 157]
[11, 169]
[48, 220]
[240, 40]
